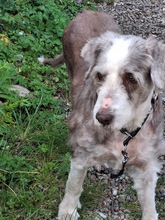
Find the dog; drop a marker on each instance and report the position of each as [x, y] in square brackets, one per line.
[117, 118]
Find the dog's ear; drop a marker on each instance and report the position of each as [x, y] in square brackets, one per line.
[157, 51]
[91, 51]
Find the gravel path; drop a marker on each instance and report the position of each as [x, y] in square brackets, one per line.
[139, 17]
[142, 18]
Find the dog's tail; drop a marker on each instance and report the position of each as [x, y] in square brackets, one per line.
[57, 60]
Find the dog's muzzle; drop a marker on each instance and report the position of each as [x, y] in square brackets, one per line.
[104, 117]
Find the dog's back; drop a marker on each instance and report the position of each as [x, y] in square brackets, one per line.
[85, 26]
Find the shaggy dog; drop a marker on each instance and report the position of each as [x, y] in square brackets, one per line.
[116, 81]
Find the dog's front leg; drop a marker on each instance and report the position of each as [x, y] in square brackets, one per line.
[70, 203]
[145, 183]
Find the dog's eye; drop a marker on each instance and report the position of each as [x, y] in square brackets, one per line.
[129, 81]
[130, 78]
[100, 76]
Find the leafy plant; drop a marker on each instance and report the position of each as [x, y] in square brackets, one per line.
[34, 157]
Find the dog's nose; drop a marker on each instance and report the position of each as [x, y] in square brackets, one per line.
[104, 118]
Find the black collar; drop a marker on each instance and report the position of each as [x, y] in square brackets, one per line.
[131, 135]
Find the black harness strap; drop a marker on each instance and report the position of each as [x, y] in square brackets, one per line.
[132, 134]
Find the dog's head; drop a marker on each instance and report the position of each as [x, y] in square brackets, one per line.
[125, 70]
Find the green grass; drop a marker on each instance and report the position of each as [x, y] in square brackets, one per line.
[34, 155]
[34, 168]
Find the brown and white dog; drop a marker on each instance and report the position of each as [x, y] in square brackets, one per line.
[116, 81]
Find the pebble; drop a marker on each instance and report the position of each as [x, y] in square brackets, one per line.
[102, 215]
[114, 192]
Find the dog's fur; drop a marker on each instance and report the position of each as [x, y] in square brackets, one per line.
[113, 79]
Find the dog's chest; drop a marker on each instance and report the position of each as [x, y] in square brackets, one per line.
[105, 147]
[110, 153]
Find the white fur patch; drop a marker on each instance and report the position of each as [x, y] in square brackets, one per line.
[118, 52]
[41, 59]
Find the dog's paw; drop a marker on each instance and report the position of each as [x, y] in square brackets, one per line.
[68, 215]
